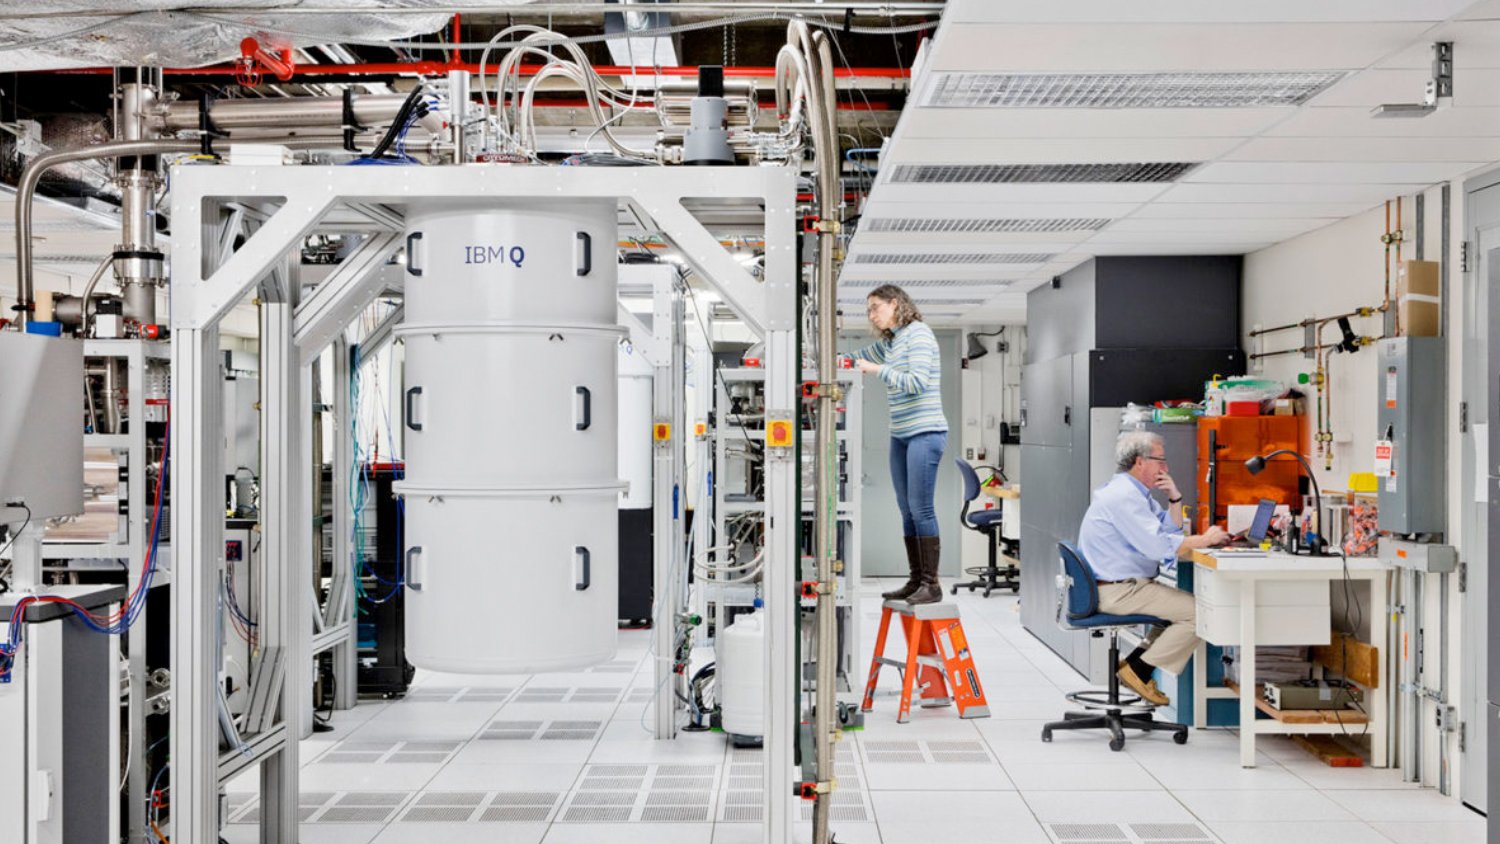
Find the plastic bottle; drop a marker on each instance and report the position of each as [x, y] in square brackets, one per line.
[1213, 398]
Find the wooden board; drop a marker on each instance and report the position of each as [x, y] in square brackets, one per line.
[1302, 716]
[1364, 660]
[1327, 749]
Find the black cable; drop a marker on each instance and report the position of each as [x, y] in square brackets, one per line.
[24, 525]
[398, 123]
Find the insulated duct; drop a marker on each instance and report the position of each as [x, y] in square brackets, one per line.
[72, 33]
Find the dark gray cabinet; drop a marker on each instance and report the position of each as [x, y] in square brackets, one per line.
[1111, 331]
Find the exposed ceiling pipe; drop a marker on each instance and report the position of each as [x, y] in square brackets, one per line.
[434, 68]
[25, 294]
[873, 8]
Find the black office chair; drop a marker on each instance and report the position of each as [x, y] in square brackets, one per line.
[987, 522]
[1078, 591]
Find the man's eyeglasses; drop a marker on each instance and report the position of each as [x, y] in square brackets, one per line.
[1162, 459]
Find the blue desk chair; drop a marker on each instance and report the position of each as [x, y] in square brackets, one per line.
[986, 522]
[1078, 593]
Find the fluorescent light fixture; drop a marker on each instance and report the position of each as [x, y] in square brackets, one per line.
[987, 284]
[995, 174]
[1128, 90]
[954, 258]
[1045, 225]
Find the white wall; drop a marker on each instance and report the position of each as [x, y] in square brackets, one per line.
[1335, 270]
[991, 394]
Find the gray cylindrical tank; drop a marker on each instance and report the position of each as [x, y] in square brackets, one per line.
[707, 138]
[510, 409]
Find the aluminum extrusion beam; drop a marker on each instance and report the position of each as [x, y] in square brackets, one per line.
[668, 385]
[703, 252]
[343, 296]
[200, 302]
[198, 545]
[285, 569]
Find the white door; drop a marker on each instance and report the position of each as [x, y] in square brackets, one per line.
[1483, 234]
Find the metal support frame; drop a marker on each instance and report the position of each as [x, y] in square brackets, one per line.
[204, 291]
[132, 548]
[668, 459]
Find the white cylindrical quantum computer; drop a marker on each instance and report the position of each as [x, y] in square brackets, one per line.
[510, 408]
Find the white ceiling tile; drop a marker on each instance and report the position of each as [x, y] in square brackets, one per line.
[957, 196]
[1179, 248]
[1148, 48]
[1326, 211]
[988, 123]
[969, 241]
[1476, 43]
[1062, 150]
[1355, 121]
[1485, 9]
[1324, 173]
[1280, 226]
[1279, 193]
[1173, 11]
[1227, 233]
[882, 206]
[1456, 154]
[1471, 88]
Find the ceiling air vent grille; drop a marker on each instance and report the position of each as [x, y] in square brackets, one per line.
[954, 258]
[982, 226]
[1001, 174]
[861, 283]
[1128, 90]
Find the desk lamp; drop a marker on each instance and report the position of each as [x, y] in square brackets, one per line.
[1255, 464]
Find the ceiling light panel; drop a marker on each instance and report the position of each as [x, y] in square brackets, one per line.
[1127, 90]
[998, 174]
[953, 258]
[986, 226]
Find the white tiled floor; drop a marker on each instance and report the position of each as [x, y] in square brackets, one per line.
[581, 783]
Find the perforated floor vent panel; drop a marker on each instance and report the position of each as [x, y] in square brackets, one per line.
[1136, 833]
[644, 794]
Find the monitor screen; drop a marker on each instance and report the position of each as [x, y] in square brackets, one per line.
[1262, 521]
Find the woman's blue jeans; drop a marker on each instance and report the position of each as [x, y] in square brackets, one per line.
[914, 468]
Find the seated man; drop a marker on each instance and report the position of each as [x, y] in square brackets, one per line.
[1126, 537]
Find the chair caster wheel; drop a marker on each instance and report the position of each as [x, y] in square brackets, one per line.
[1180, 738]
[1117, 744]
[1046, 735]
[954, 591]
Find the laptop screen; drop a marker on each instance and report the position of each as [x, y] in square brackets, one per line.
[1262, 521]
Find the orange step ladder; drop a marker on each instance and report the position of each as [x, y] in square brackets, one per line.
[937, 659]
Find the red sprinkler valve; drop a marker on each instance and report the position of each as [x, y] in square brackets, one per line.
[253, 61]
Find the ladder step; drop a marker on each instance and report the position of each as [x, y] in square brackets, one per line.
[885, 660]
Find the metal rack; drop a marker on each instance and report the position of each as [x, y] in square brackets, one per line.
[718, 599]
[145, 361]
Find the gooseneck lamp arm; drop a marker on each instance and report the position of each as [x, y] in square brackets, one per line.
[1257, 463]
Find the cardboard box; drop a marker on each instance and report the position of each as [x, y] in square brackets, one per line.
[1285, 407]
[1418, 286]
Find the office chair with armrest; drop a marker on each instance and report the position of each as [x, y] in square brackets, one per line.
[986, 522]
[1078, 609]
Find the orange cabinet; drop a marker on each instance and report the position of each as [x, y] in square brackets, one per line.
[1240, 438]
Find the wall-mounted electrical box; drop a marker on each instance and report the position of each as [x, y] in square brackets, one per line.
[1410, 418]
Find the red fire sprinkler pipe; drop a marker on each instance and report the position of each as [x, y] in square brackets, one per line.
[253, 60]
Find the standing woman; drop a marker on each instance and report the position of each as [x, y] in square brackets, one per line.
[906, 359]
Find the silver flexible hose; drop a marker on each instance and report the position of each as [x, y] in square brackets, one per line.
[26, 190]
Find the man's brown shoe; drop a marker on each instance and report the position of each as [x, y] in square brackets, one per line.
[1147, 689]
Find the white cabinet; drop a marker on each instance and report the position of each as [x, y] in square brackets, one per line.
[1287, 612]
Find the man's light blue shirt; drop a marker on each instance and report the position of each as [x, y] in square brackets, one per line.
[1125, 533]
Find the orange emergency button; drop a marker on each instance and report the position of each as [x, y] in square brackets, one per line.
[700, 429]
[779, 432]
[661, 431]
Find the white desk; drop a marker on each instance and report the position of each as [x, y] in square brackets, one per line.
[1245, 572]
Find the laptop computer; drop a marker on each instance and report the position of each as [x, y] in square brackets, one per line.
[1256, 534]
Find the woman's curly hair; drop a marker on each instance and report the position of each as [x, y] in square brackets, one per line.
[906, 309]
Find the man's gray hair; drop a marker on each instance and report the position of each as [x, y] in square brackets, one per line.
[1133, 444]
